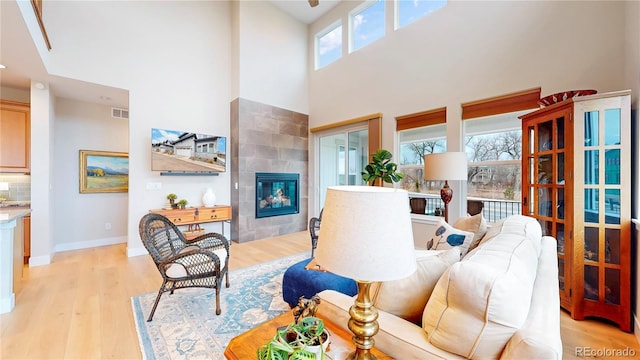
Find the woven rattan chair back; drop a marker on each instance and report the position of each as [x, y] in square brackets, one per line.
[160, 237]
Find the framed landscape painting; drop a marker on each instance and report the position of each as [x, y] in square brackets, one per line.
[103, 172]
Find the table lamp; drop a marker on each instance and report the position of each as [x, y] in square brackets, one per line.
[366, 236]
[446, 166]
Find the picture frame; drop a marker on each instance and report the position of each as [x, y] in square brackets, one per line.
[103, 172]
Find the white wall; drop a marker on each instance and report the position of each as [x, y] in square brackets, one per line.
[173, 58]
[468, 51]
[86, 126]
[272, 56]
[7, 93]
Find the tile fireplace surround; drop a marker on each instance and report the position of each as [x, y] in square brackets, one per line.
[268, 139]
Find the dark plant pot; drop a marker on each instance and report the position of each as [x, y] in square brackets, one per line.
[418, 205]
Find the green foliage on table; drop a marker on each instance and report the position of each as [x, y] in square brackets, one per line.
[290, 342]
[381, 167]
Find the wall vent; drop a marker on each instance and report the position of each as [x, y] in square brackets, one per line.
[119, 113]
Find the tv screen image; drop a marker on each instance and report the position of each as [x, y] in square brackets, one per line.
[180, 151]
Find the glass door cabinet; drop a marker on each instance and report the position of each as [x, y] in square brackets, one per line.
[576, 178]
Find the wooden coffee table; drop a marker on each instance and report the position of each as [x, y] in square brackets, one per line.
[244, 346]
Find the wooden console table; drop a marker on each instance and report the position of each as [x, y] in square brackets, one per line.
[194, 216]
[244, 346]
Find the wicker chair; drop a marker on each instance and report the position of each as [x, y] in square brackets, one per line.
[314, 229]
[200, 262]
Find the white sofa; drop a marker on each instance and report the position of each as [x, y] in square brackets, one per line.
[500, 301]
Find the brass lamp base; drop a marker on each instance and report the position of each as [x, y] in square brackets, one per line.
[363, 323]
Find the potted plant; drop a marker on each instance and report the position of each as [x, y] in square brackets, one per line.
[172, 200]
[306, 339]
[382, 168]
[182, 203]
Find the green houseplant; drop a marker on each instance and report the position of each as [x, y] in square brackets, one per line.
[182, 203]
[172, 200]
[382, 168]
[304, 340]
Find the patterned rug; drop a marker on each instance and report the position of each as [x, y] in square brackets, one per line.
[185, 325]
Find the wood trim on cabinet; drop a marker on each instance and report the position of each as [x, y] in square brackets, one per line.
[522, 100]
[420, 119]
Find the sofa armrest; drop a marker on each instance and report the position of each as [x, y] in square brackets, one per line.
[396, 337]
[539, 337]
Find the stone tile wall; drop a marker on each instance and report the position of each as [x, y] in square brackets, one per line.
[265, 138]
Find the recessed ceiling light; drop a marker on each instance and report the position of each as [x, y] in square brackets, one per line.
[2, 66]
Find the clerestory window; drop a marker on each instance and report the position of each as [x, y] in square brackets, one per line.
[328, 45]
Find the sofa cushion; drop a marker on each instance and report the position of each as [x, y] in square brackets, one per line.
[406, 298]
[481, 301]
[476, 224]
[516, 225]
[445, 237]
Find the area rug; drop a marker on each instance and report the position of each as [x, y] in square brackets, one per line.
[185, 325]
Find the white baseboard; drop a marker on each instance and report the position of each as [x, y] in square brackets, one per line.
[136, 251]
[90, 244]
[39, 260]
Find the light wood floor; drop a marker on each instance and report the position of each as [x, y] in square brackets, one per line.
[79, 307]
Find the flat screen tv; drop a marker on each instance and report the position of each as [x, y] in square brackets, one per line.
[183, 152]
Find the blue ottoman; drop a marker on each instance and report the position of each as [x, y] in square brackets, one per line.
[298, 281]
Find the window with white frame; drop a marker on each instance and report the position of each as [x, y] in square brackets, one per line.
[328, 45]
[366, 24]
[408, 11]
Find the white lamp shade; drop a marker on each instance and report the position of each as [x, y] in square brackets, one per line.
[366, 233]
[445, 166]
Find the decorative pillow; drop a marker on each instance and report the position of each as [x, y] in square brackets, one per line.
[406, 298]
[446, 237]
[475, 224]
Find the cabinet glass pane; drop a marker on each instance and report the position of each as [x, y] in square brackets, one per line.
[545, 136]
[591, 242]
[612, 166]
[591, 128]
[591, 213]
[612, 286]
[612, 127]
[591, 166]
[560, 238]
[560, 169]
[545, 201]
[612, 206]
[590, 282]
[560, 125]
[547, 227]
[560, 202]
[531, 137]
[612, 246]
[545, 169]
[561, 273]
[532, 206]
[532, 172]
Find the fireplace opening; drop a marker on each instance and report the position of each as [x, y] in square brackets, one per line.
[277, 194]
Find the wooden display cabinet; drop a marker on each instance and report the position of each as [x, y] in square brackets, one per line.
[576, 181]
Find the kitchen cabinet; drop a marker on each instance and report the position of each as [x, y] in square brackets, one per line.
[15, 136]
[576, 181]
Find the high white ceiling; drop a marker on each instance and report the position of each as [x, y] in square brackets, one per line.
[20, 56]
